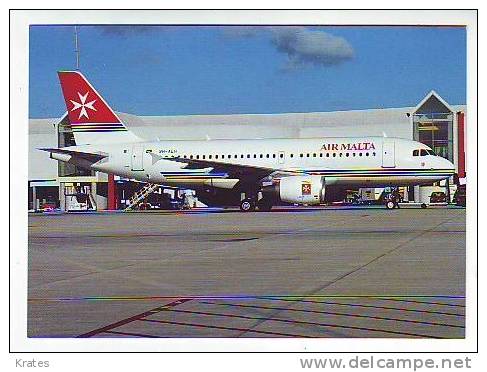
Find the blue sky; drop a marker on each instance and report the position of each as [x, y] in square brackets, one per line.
[223, 70]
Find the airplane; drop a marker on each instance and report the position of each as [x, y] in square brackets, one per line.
[263, 172]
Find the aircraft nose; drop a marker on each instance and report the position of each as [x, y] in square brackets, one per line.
[447, 164]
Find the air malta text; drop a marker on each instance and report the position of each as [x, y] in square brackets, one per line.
[357, 146]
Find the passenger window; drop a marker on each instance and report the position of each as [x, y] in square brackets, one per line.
[415, 152]
[366, 154]
[314, 155]
[274, 156]
[321, 154]
[354, 154]
[359, 154]
[191, 156]
[267, 156]
[373, 154]
[334, 154]
[300, 155]
[307, 155]
[327, 154]
[281, 155]
[197, 156]
[125, 151]
[261, 156]
[341, 154]
[248, 156]
[292, 155]
[241, 156]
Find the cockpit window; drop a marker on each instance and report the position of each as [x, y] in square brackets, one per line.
[423, 152]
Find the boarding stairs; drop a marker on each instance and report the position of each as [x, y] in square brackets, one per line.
[140, 195]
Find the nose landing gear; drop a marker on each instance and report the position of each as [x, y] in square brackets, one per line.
[390, 204]
[392, 199]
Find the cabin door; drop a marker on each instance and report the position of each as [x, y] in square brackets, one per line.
[137, 158]
[388, 153]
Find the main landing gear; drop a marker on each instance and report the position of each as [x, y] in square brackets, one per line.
[249, 205]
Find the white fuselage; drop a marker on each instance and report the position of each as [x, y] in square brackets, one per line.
[358, 161]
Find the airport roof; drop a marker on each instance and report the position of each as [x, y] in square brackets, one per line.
[364, 122]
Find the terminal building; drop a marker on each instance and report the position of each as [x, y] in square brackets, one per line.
[432, 121]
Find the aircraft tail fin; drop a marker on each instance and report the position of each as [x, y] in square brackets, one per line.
[92, 119]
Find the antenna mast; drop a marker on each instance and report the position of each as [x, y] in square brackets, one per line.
[76, 46]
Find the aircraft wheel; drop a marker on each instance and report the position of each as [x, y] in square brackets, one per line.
[264, 205]
[247, 205]
[390, 205]
[423, 205]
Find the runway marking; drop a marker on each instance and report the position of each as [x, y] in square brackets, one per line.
[133, 318]
[371, 306]
[130, 334]
[330, 325]
[422, 302]
[199, 325]
[170, 307]
[330, 313]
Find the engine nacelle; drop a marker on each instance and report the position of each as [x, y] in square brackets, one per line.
[302, 189]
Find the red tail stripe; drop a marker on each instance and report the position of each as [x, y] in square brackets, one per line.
[84, 104]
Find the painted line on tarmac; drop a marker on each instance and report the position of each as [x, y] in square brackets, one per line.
[300, 322]
[422, 302]
[123, 322]
[131, 334]
[243, 330]
[370, 306]
[329, 313]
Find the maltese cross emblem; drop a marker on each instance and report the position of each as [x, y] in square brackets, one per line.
[82, 105]
[306, 189]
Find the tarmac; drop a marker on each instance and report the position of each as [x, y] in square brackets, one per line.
[293, 272]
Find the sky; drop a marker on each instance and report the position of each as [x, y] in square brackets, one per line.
[187, 70]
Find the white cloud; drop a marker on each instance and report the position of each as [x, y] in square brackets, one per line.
[302, 45]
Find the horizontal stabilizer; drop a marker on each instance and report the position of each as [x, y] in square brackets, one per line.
[91, 157]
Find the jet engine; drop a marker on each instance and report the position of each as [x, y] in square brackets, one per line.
[299, 189]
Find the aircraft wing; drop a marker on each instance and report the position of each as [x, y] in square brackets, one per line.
[234, 170]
